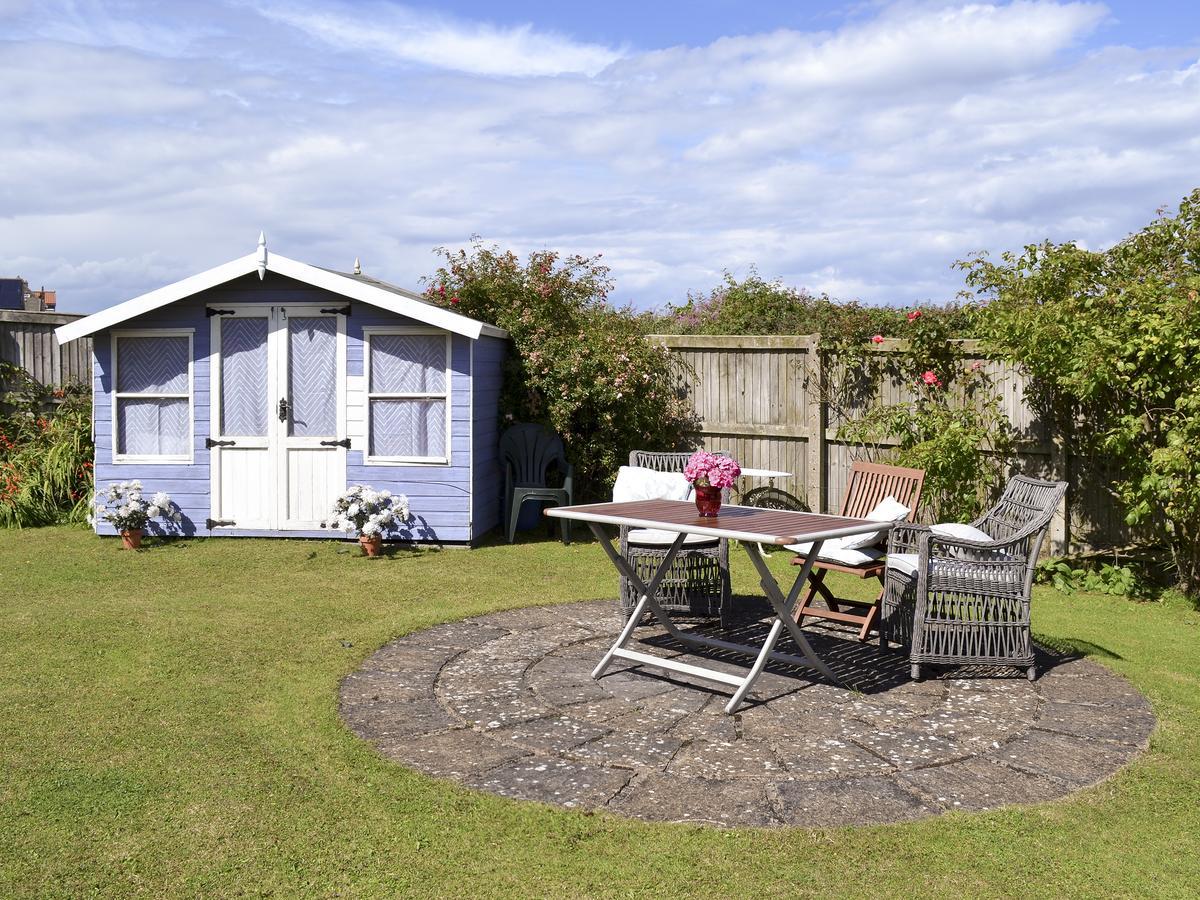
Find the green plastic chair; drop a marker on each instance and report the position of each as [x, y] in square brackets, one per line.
[527, 452]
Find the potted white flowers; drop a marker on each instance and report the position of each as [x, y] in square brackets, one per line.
[123, 505]
[370, 513]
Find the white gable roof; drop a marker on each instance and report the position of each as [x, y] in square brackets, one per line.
[388, 297]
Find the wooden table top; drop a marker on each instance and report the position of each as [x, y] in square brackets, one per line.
[741, 523]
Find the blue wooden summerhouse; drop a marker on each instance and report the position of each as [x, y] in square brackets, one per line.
[255, 392]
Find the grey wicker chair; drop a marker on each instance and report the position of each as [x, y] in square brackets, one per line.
[698, 581]
[959, 602]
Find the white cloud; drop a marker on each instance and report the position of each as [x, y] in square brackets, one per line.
[407, 35]
[862, 161]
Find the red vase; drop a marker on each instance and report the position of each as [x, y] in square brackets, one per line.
[708, 499]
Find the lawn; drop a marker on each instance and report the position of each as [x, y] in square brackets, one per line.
[168, 726]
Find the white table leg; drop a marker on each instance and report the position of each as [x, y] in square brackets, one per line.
[646, 594]
[782, 606]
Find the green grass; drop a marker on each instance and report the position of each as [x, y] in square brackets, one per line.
[168, 726]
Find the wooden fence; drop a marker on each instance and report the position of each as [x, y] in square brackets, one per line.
[756, 397]
[27, 340]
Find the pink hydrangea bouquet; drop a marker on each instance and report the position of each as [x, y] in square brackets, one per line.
[704, 468]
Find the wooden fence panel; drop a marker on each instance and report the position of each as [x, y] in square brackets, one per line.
[27, 340]
[754, 397]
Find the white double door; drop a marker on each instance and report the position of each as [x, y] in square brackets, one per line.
[278, 411]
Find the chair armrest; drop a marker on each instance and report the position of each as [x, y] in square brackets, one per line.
[906, 537]
[979, 567]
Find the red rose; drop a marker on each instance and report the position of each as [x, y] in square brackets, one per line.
[914, 315]
[877, 339]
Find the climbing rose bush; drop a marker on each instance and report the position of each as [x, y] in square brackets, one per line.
[579, 365]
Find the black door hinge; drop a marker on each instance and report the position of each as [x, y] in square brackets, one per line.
[210, 443]
[210, 524]
[344, 442]
[341, 311]
[210, 312]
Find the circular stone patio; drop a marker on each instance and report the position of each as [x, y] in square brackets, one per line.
[506, 703]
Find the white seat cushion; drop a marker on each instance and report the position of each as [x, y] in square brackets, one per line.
[652, 537]
[961, 532]
[833, 551]
[904, 562]
[637, 483]
[889, 509]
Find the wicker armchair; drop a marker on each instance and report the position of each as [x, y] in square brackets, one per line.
[955, 601]
[698, 580]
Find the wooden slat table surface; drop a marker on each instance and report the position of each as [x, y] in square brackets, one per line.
[742, 523]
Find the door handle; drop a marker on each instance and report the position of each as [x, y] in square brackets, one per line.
[344, 442]
[283, 409]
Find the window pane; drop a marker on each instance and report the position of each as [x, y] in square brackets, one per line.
[408, 364]
[408, 428]
[152, 365]
[153, 428]
[244, 376]
[312, 376]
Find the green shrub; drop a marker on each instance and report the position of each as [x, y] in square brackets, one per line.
[45, 451]
[1112, 342]
[581, 366]
[755, 306]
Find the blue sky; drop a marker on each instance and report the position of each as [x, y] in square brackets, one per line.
[853, 148]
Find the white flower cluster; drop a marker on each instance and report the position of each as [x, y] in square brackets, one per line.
[368, 511]
[122, 504]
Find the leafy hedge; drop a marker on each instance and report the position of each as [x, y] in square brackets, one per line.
[755, 306]
[581, 366]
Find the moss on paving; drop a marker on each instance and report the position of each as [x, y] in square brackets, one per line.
[168, 726]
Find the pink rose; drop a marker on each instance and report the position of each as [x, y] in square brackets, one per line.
[931, 379]
[877, 339]
[914, 315]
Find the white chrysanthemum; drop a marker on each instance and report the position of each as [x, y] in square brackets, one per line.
[161, 500]
[370, 529]
[152, 511]
[353, 510]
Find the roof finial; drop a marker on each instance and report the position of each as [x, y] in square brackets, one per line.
[357, 266]
[262, 255]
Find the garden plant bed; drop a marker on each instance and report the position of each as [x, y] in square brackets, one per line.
[506, 703]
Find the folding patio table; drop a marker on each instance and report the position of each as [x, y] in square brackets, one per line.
[748, 526]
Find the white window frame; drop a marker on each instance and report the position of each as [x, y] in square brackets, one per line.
[369, 395]
[190, 396]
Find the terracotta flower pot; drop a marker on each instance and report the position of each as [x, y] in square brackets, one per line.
[131, 539]
[372, 546]
[708, 499]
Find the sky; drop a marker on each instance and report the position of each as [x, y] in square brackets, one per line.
[857, 149]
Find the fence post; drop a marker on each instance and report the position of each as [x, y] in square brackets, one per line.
[814, 426]
[1060, 470]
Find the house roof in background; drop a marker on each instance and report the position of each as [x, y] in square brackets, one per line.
[355, 286]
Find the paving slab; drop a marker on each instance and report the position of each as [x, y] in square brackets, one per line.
[506, 703]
